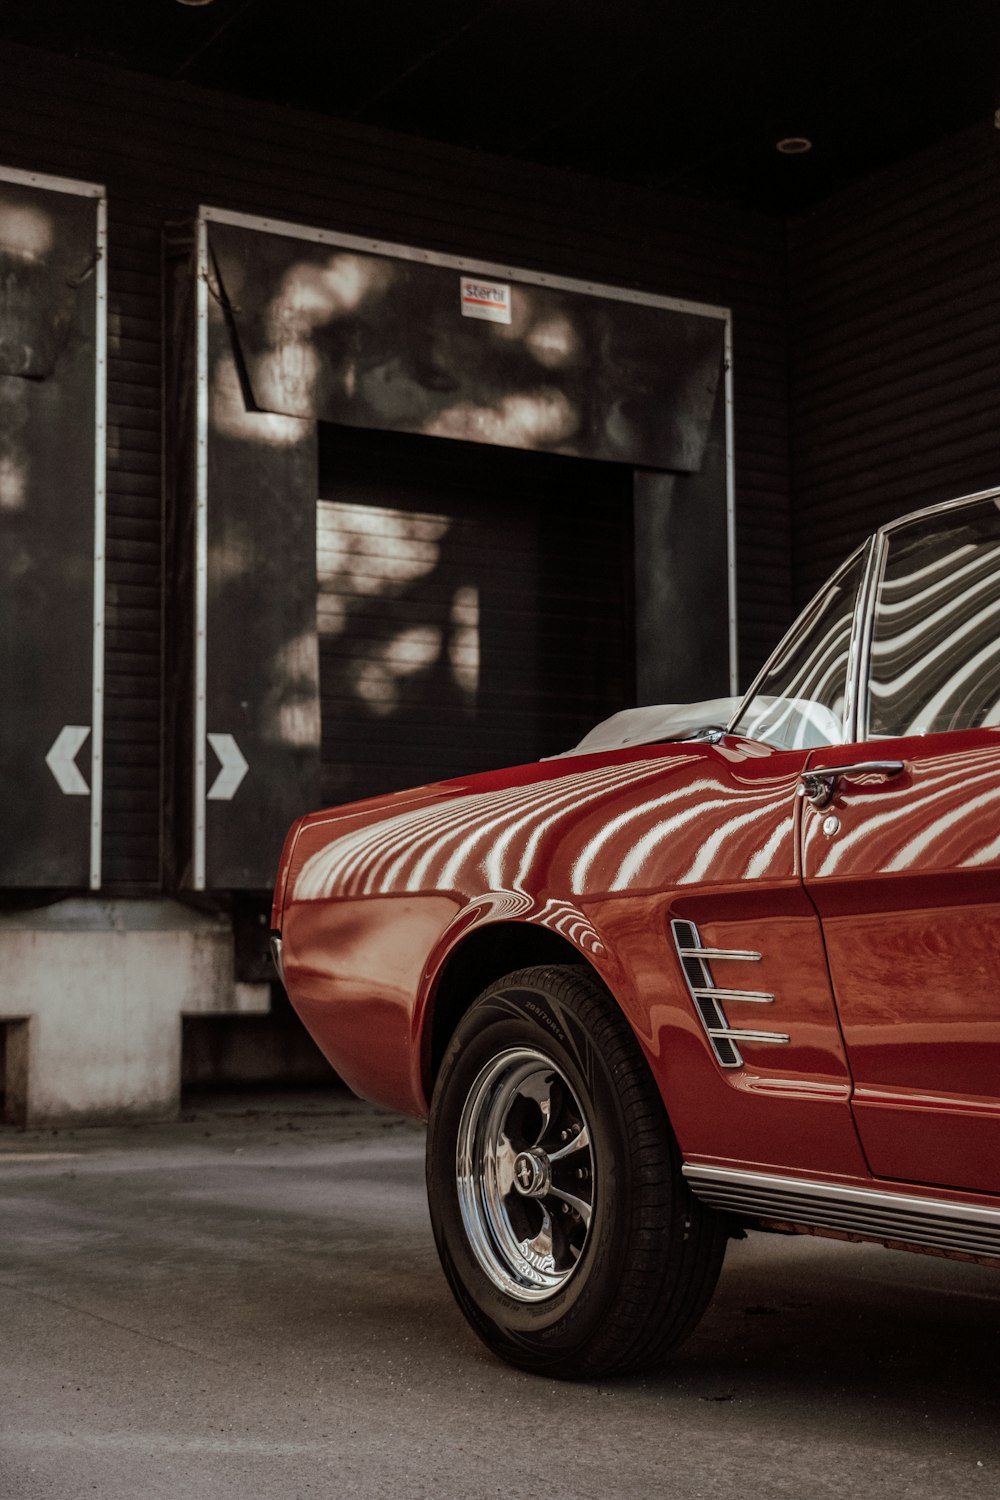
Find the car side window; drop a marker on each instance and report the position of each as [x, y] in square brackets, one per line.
[801, 700]
[935, 661]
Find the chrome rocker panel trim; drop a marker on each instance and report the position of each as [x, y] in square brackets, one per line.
[870, 1213]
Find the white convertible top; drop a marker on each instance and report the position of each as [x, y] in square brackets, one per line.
[656, 722]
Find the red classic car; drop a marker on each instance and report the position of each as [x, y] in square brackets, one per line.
[693, 977]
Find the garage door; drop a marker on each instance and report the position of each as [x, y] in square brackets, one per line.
[474, 606]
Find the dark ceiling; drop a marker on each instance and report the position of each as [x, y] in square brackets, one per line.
[686, 95]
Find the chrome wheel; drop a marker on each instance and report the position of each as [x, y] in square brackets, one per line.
[525, 1174]
[564, 1224]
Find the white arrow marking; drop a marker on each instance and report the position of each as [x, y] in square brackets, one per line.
[61, 759]
[234, 768]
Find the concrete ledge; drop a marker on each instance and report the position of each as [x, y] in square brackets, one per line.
[97, 914]
[92, 998]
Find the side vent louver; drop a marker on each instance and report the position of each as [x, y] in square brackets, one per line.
[708, 998]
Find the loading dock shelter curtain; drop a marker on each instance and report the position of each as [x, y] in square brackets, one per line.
[373, 340]
[242, 709]
[262, 668]
[49, 317]
[298, 330]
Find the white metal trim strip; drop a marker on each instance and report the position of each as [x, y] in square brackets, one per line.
[52, 184]
[201, 560]
[100, 545]
[731, 510]
[457, 262]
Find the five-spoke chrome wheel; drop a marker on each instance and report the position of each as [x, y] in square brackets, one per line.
[525, 1174]
[564, 1224]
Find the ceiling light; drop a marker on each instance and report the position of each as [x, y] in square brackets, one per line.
[194, 2]
[794, 145]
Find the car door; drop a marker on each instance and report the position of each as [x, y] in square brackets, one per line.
[747, 936]
[901, 856]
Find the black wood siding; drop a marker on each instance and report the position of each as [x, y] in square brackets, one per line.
[162, 148]
[895, 317]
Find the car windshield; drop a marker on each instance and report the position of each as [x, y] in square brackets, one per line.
[801, 699]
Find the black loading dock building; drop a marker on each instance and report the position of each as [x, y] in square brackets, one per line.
[333, 460]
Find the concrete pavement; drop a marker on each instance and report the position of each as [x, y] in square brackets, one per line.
[248, 1303]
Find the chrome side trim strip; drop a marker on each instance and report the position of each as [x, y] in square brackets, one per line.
[741, 954]
[775, 1038]
[857, 650]
[757, 997]
[707, 997]
[871, 1213]
[858, 724]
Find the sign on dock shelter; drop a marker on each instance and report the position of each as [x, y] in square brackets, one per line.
[485, 299]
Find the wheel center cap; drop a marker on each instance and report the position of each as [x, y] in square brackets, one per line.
[531, 1174]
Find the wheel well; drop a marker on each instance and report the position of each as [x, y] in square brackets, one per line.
[484, 956]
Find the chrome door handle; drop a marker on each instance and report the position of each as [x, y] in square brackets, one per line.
[819, 785]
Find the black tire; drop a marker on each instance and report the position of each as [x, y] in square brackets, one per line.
[565, 1228]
